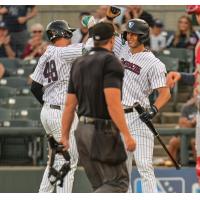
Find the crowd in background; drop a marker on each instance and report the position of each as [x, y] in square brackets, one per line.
[16, 41]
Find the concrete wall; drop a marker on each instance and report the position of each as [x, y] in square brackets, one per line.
[169, 14]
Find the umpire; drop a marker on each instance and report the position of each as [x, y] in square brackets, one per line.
[95, 86]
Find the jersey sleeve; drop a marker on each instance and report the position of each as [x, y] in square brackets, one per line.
[117, 46]
[113, 73]
[37, 75]
[157, 75]
[71, 52]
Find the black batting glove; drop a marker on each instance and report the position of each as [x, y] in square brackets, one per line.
[149, 114]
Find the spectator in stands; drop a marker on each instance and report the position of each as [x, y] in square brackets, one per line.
[185, 36]
[16, 17]
[157, 38]
[101, 12]
[2, 70]
[137, 11]
[36, 45]
[81, 34]
[187, 120]
[5, 46]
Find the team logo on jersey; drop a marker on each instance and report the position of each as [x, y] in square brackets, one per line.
[131, 66]
[131, 24]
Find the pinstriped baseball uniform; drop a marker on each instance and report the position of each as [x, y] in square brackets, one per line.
[143, 73]
[53, 72]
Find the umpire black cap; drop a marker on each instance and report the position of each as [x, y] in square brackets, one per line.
[139, 27]
[59, 29]
[103, 31]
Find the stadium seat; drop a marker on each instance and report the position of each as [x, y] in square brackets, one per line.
[5, 114]
[171, 64]
[29, 113]
[18, 123]
[11, 65]
[15, 82]
[19, 102]
[7, 92]
[25, 71]
[185, 57]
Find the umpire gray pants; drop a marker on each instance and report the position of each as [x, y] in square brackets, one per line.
[104, 178]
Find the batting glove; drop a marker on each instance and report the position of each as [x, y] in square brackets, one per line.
[149, 114]
[113, 12]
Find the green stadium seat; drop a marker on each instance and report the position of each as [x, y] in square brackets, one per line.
[10, 63]
[7, 92]
[185, 57]
[19, 102]
[25, 71]
[171, 64]
[15, 82]
[5, 114]
[18, 123]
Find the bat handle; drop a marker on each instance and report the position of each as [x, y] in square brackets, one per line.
[138, 108]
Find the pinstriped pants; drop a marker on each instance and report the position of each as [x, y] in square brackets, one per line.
[51, 120]
[143, 154]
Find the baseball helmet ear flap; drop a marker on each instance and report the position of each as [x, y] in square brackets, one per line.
[143, 38]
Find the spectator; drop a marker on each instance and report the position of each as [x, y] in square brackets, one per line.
[137, 11]
[16, 18]
[185, 36]
[5, 46]
[2, 70]
[80, 35]
[101, 12]
[157, 39]
[36, 45]
[187, 120]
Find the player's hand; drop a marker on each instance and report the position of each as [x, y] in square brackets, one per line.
[130, 143]
[113, 12]
[149, 114]
[172, 78]
[65, 142]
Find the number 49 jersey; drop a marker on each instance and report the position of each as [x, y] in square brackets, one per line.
[53, 71]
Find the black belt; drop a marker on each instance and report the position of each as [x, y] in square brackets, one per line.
[128, 110]
[55, 107]
[91, 120]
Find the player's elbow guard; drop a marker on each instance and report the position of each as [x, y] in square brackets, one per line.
[37, 91]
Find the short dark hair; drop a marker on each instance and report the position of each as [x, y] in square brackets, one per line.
[101, 42]
[84, 13]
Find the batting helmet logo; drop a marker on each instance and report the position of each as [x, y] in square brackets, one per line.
[131, 24]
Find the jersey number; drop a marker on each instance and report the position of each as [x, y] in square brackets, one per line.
[50, 71]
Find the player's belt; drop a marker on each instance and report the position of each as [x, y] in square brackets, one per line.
[55, 107]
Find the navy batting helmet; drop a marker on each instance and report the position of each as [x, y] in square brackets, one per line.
[139, 27]
[59, 29]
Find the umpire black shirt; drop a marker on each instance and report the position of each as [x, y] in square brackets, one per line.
[90, 74]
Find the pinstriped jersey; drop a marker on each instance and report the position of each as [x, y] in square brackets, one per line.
[143, 73]
[53, 70]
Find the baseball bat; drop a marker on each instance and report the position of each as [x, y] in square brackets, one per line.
[140, 110]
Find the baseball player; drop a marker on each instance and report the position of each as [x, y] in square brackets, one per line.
[143, 74]
[50, 83]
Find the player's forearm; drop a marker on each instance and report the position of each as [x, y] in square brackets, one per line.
[163, 97]
[68, 114]
[67, 119]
